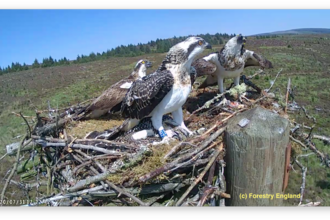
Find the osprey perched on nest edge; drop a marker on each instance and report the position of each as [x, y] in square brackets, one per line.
[166, 90]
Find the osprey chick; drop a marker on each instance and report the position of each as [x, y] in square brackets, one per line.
[229, 63]
[110, 100]
[166, 90]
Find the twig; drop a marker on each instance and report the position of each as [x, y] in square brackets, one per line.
[304, 126]
[194, 158]
[207, 104]
[65, 134]
[320, 137]
[81, 146]
[222, 194]
[77, 168]
[311, 204]
[26, 147]
[310, 132]
[85, 141]
[26, 186]
[198, 162]
[18, 115]
[49, 175]
[302, 188]
[257, 73]
[177, 148]
[13, 170]
[51, 128]
[146, 189]
[305, 155]
[221, 178]
[124, 192]
[152, 201]
[207, 192]
[94, 171]
[287, 95]
[211, 174]
[30, 133]
[259, 99]
[3, 156]
[89, 180]
[69, 195]
[92, 159]
[308, 116]
[200, 177]
[101, 156]
[298, 142]
[204, 135]
[274, 80]
[312, 148]
[247, 101]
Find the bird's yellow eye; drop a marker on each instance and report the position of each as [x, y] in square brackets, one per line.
[142, 62]
[200, 42]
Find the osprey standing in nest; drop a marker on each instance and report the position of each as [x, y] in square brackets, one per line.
[166, 90]
[110, 100]
[229, 63]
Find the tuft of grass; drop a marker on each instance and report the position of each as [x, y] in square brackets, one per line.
[148, 164]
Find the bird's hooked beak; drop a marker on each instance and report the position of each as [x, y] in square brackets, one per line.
[208, 46]
[148, 64]
[241, 39]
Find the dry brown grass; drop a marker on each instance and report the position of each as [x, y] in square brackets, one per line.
[79, 129]
[148, 164]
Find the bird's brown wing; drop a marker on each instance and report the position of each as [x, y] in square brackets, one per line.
[258, 61]
[109, 101]
[146, 93]
[204, 67]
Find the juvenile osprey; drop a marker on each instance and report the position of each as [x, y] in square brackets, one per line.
[166, 90]
[229, 63]
[143, 128]
[110, 100]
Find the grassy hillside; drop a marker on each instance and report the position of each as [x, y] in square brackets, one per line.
[304, 58]
[303, 31]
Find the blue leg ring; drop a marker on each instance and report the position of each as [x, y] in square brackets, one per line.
[162, 134]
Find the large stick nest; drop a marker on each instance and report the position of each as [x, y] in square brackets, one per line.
[83, 163]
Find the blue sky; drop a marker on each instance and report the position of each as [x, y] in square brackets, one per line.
[29, 34]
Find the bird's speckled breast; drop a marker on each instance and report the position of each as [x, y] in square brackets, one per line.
[181, 76]
[231, 62]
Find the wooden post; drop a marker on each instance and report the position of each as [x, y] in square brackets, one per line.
[256, 141]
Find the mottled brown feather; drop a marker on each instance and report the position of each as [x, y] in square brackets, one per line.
[146, 93]
[203, 67]
[110, 100]
[262, 62]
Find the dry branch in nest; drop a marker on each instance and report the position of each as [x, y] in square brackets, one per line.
[97, 169]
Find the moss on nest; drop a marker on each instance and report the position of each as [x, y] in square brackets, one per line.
[237, 90]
